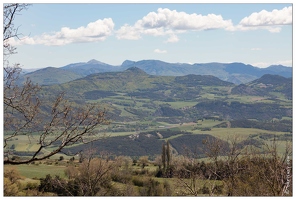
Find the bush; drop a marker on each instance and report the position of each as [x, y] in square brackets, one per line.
[138, 181]
[32, 186]
[152, 188]
[218, 189]
[121, 177]
[204, 190]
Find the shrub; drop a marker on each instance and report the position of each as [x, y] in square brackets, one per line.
[138, 181]
[121, 177]
[32, 186]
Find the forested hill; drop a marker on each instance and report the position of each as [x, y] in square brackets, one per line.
[265, 86]
[136, 80]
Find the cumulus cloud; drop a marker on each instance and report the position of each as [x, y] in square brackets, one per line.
[170, 22]
[172, 19]
[94, 31]
[271, 21]
[128, 32]
[163, 22]
[166, 22]
[159, 51]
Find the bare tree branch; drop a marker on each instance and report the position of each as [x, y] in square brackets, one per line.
[26, 113]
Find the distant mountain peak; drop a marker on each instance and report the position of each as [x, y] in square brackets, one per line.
[271, 79]
[279, 68]
[127, 63]
[136, 70]
[94, 61]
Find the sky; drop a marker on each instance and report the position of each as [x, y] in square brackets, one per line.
[57, 34]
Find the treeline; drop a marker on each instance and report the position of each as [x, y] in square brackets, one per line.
[237, 111]
[167, 111]
[150, 143]
[146, 143]
[204, 80]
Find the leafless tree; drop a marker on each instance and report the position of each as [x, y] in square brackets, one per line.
[277, 173]
[91, 178]
[50, 127]
[10, 11]
[189, 174]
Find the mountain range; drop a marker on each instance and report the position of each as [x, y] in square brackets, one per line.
[236, 73]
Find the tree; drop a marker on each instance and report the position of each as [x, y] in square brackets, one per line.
[167, 168]
[94, 177]
[143, 160]
[168, 154]
[276, 169]
[9, 30]
[56, 124]
[191, 170]
[91, 178]
[163, 155]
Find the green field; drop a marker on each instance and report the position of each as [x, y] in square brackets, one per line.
[225, 133]
[38, 171]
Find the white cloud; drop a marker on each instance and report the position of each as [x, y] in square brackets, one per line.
[172, 19]
[265, 18]
[94, 31]
[261, 64]
[159, 51]
[172, 39]
[128, 32]
[163, 22]
[171, 22]
[287, 63]
[271, 21]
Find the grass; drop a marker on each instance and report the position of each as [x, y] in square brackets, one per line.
[248, 99]
[21, 147]
[287, 118]
[124, 112]
[208, 123]
[172, 137]
[225, 133]
[181, 104]
[38, 171]
[208, 96]
[114, 134]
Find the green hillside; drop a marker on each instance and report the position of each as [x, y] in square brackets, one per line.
[141, 95]
[135, 80]
[267, 85]
[50, 76]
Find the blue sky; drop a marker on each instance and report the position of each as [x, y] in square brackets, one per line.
[59, 34]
